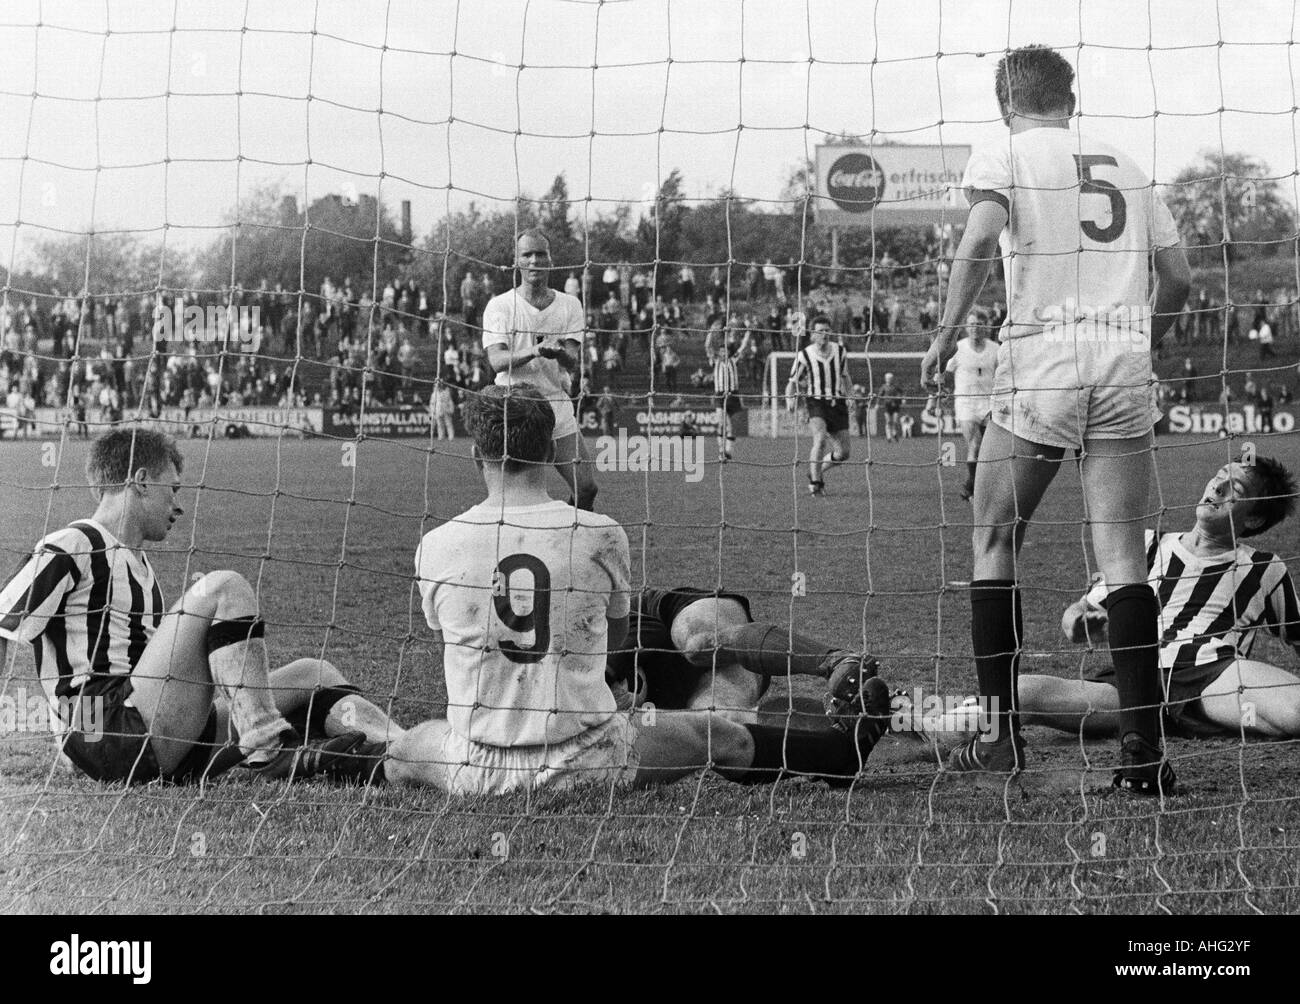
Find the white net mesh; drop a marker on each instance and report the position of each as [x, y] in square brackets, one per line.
[272, 231]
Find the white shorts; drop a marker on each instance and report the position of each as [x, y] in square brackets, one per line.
[566, 423]
[1060, 394]
[605, 755]
[970, 408]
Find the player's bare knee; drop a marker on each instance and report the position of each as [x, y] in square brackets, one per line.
[1285, 717]
[234, 594]
[402, 765]
[319, 673]
[729, 742]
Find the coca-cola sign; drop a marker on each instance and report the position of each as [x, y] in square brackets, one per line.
[855, 183]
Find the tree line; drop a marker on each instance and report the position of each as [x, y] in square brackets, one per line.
[1229, 207]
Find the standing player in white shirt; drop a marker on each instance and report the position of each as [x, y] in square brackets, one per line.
[528, 596]
[526, 331]
[972, 369]
[1080, 226]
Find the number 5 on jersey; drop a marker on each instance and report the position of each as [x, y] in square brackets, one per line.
[536, 621]
[1088, 185]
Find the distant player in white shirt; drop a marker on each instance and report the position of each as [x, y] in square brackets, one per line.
[528, 596]
[1080, 227]
[146, 692]
[527, 331]
[1216, 593]
[972, 369]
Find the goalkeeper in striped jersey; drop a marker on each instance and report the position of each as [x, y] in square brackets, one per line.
[1216, 593]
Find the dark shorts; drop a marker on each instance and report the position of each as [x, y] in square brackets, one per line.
[1183, 714]
[118, 748]
[731, 402]
[670, 679]
[893, 406]
[834, 413]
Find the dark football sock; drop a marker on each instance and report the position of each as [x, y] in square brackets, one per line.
[309, 720]
[971, 467]
[997, 632]
[778, 749]
[1133, 616]
[774, 651]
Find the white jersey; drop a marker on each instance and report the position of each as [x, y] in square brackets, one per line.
[521, 595]
[1083, 219]
[88, 605]
[972, 379]
[510, 320]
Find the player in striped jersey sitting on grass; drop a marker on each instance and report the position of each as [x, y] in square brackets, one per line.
[1215, 593]
[145, 692]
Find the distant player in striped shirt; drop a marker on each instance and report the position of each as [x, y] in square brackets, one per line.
[824, 366]
[145, 692]
[1215, 592]
[726, 383]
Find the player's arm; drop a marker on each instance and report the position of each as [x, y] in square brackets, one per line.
[792, 385]
[32, 596]
[571, 342]
[846, 378]
[1281, 612]
[615, 559]
[617, 627]
[1173, 283]
[975, 256]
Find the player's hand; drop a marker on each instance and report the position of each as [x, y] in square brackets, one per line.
[1084, 622]
[551, 347]
[936, 357]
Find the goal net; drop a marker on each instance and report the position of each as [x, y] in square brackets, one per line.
[867, 371]
[273, 230]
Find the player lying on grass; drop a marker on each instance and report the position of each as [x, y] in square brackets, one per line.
[528, 595]
[146, 692]
[695, 649]
[1215, 593]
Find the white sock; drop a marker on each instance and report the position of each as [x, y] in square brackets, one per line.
[240, 670]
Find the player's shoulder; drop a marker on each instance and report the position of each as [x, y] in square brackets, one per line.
[599, 521]
[77, 538]
[501, 300]
[1248, 555]
[568, 301]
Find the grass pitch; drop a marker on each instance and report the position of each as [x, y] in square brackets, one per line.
[886, 557]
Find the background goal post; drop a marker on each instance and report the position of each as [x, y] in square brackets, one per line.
[867, 369]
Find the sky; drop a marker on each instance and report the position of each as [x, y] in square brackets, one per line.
[154, 114]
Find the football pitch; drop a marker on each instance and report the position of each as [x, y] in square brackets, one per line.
[327, 532]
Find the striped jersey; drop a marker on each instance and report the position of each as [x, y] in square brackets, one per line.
[726, 377]
[87, 603]
[827, 376]
[1212, 609]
